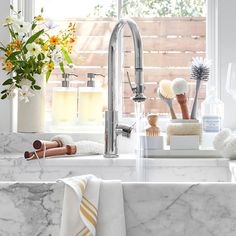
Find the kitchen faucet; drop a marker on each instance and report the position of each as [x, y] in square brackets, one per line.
[112, 127]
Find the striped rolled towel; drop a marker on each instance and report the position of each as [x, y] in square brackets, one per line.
[80, 206]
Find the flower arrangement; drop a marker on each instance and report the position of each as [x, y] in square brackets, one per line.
[33, 50]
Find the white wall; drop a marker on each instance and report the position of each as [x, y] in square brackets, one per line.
[227, 53]
[5, 105]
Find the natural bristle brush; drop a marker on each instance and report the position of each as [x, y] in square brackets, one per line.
[153, 129]
[200, 71]
[165, 93]
[180, 88]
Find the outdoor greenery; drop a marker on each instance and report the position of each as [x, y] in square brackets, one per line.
[154, 8]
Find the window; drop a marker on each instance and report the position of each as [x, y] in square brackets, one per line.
[173, 31]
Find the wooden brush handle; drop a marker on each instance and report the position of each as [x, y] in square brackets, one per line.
[182, 100]
[68, 149]
[39, 144]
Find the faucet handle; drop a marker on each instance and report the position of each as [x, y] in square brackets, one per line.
[132, 88]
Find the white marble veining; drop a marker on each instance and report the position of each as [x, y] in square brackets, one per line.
[180, 209]
[16, 168]
[193, 209]
[166, 209]
[30, 209]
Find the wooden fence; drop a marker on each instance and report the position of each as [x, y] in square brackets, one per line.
[168, 45]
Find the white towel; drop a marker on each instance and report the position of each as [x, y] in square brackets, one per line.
[110, 216]
[79, 213]
[83, 147]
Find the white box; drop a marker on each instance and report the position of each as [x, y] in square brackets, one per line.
[184, 142]
[152, 142]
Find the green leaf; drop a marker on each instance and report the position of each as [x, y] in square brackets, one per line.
[33, 26]
[61, 64]
[34, 37]
[4, 91]
[41, 57]
[13, 35]
[7, 82]
[66, 56]
[36, 87]
[13, 55]
[11, 7]
[3, 49]
[4, 96]
[48, 75]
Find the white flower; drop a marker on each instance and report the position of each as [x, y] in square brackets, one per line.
[25, 94]
[21, 26]
[8, 21]
[50, 24]
[33, 49]
[57, 58]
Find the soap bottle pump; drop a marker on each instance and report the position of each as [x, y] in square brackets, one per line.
[91, 102]
[64, 102]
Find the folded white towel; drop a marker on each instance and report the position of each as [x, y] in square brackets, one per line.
[79, 203]
[83, 147]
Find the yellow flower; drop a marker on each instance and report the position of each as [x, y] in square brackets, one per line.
[72, 40]
[54, 40]
[45, 47]
[50, 66]
[17, 44]
[9, 52]
[7, 66]
[39, 18]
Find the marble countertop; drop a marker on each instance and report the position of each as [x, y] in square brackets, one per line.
[99, 160]
[184, 209]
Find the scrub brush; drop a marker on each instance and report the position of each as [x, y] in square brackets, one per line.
[200, 71]
[166, 94]
[180, 88]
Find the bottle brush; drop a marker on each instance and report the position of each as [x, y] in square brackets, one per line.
[200, 71]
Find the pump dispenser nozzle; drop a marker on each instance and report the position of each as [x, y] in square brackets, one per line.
[65, 81]
[91, 82]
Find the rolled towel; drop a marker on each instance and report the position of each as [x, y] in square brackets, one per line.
[229, 150]
[220, 138]
[83, 147]
[225, 143]
[63, 138]
[89, 147]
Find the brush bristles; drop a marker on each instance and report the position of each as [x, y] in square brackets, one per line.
[179, 86]
[200, 69]
[165, 88]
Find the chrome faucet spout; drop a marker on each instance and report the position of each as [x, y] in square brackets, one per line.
[111, 116]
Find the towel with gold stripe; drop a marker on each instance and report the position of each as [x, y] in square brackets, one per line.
[80, 204]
